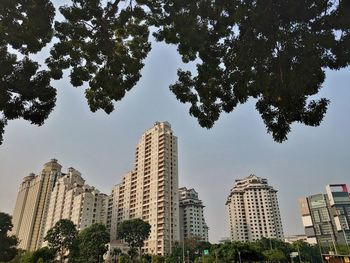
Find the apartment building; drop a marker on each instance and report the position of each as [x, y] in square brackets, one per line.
[46, 198]
[72, 199]
[253, 210]
[326, 217]
[150, 190]
[32, 205]
[192, 222]
[112, 212]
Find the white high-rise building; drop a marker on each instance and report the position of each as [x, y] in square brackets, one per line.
[32, 204]
[72, 199]
[150, 190]
[46, 198]
[192, 222]
[253, 210]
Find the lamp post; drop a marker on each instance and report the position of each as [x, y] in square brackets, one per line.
[183, 250]
[299, 255]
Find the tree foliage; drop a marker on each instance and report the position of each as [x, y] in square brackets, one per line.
[273, 51]
[43, 254]
[62, 237]
[93, 243]
[275, 255]
[25, 91]
[8, 244]
[134, 232]
[264, 250]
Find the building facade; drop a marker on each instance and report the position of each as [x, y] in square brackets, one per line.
[72, 199]
[253, 210]
[44, 199]
[326, 217]
[192, 221]
[150, 190]
[32, 205]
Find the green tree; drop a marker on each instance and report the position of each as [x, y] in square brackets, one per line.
[93, 243]
[8, 244]
[134, 232]
[123, 259]
[275, 255]
[275, 52]
[157, 259]
[19, 257]
[115, 253]
[25, 91]
[308, 253]
[176, 253]
[43, 254]
[62, 237]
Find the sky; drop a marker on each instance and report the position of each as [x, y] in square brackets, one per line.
[102, 146]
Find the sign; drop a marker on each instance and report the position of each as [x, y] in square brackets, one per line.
[206, 252]
[294, 254]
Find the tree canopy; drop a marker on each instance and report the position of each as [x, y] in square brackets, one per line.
[93, 243]
[134, 232]
[8, 244]
[43, 254]
[273, 51]
[62, 237]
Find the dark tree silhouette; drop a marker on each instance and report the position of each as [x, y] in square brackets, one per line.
[8, 244]
[62, 237]
[275, 52]
[93, 243]
[134, 232]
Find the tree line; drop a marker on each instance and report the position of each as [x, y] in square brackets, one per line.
[64, 243]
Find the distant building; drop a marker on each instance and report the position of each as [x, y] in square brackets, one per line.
[150, 190]
[46, 198]
[326, 217]
[192, 222]
[292, 238]
[253, 210]
[32, 203]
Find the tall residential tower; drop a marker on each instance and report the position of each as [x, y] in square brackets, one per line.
[32, 204]
[253, 210]
[192, 222]
[150, 190]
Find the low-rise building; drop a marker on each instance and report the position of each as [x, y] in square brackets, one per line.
[326, 217]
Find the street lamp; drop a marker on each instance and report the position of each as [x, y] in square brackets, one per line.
[239, 256]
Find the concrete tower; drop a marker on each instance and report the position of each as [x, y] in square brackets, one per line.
[150, 190]
[32, 205]
[192, 222]
[253, 210]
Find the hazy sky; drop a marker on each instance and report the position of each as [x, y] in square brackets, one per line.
[102, 146]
